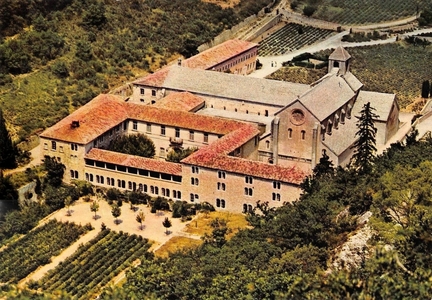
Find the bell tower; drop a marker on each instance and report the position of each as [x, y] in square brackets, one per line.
[339, 61]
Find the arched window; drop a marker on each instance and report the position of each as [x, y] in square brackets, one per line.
[303, 134]
[223, 186]
[76, 175]
[267, 144]
[250, 209]
[342, 120]
[145, 188]
[222, 203]
[329, 127]
[218, 202]
[163, 192]
[72, 174]
[119, 183]
[349, 109]
[178, 195]
[101, 179]
[140, 187]
[245, 208]
[91, 177]
[152, 189]
[167, 191]
[156, 190]
[289, 133]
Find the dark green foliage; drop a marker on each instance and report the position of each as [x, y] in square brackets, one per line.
[113, 194]
[177, 155]
[8, 150]
[116, 212]
[365, 144]
[160, 203]
[56, 195]
[183, 209]
[7, 190]
[425, 17]
[138, 197]
[167, 224]
[134, 144]
[94, 15]
[55, 171]
[309, 10]
[60, 69]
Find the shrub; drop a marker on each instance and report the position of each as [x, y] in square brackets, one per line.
[309, 10]
[113, 194]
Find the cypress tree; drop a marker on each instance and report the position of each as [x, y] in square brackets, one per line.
[425, 89]
[7, 148]
[365, 144]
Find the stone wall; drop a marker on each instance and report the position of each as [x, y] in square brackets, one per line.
[27, 193]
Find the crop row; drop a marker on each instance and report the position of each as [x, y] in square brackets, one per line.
[94, 264]
[291, 37]
[36, 248]
[363, 11]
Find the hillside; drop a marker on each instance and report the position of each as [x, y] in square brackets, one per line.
[57, 55]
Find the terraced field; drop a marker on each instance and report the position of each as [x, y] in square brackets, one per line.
[290, 38]
[358, 12]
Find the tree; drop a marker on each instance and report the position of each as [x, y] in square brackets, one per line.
[7, 190]
[8, 150]
[94, 207]
[140, 218]
[177, 155]
[167, 224]
[55, 171]
[365, 144]
[425, 89]
[116, 212]
[134, 144]
[68, 202]
[308, 10]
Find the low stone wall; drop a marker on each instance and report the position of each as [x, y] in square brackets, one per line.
[300, 19]
[273, 22]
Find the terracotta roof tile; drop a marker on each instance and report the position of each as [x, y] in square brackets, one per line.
[209, 58]
[180, 101]
[135, 161]
[95, 118]
[181, 119]
[156, 79]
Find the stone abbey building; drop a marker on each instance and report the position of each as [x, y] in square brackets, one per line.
[257, 138]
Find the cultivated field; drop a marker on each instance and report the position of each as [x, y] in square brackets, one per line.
[291, 37]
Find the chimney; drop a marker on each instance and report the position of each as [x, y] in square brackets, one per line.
[75, 124]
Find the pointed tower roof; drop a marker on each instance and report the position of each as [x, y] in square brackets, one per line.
[340, 54]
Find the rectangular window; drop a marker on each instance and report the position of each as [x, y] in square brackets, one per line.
[205, 137]
[61, 149]
[53, 146]
[191, 135]
[177, 132]
[45, 146]
[142, 91]
[154, 93]
[148, 127]
[162, 152]
[134, 125]
[162, 130]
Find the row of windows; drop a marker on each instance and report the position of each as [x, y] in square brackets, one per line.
[221, 174]
[131, 185]
[177, 131]
[237, 61]
[302, 134]
[74, 147]
[247, 208]
[74, 174]
[153, 92]
[194, 197]
[266, 112]
[132, 170]
[249, 179]
[220, 203]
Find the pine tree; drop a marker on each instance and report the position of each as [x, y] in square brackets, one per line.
[8, 150]
[425, 89]
[365, 144]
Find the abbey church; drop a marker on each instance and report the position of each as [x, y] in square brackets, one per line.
[257, 138]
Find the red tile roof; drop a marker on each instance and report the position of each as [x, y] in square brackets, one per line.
[95, 118]
[209, 58]
[180, 101]
[181, 119]
[156, 79]
[135, 161]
